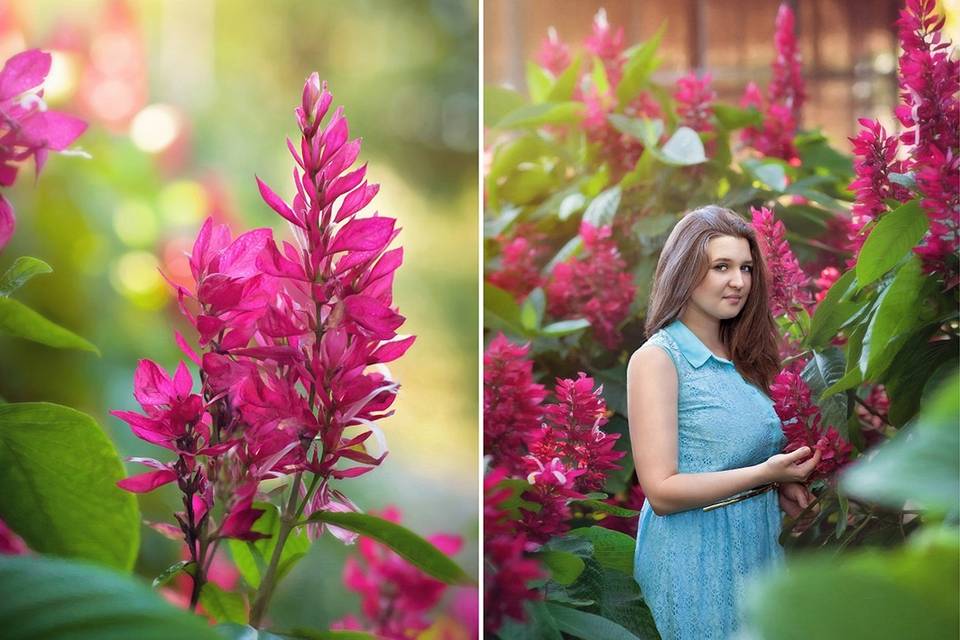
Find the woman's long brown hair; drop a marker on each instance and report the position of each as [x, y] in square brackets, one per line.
[750, 337]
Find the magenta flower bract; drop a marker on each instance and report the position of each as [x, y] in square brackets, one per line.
[788, 282]
[554, 55]
[10, 543]
[595, 286]
[695, 98]
[27, 128]
[395, 596]
[607, 44]
[520, 262]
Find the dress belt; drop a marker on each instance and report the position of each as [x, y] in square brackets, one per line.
[742, 496]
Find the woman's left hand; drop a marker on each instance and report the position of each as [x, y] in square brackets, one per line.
[794, 499]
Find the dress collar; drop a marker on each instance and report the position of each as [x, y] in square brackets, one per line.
[690, 345]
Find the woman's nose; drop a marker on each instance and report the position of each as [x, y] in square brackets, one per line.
[736, 280]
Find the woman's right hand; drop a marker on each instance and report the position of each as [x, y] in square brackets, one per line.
[787, 467]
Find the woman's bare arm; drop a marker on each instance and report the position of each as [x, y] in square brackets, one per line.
[652, 409]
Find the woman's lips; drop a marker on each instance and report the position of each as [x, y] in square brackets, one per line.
[733, 299]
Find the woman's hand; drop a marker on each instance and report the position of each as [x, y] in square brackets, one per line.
[794, 500]
[787, 467]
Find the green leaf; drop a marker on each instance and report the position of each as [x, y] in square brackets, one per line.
[771, 174]
[894, 235]
[917, 362]
[612, 509]
[539, 82]
[22, 269]
[904, 593]
[570, 205]
[498, 102]
[564, 567]
[300, 633]
[587, 625]
[602, 209]
[493, 227]
[565, 327]
[538, 624]
[17, 319]
[646, 130]
[825, 369]
[921, 463]
[170, 572]
[253, 557]
[893, 319]
[731, 117]
[641, 63]
[599, 78]
[235, 631]
[58, 472]
[531, 312]
[404, 542]
[536, 115]
[832, 312]
[500, 310]
[572, 248]
[907, 180]
[224, 606]
[684, 148]
[57, 599]
[563, 87]
[611, 548]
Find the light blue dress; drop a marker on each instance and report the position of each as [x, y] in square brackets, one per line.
[691, 565]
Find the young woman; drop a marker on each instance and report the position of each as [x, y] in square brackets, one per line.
[706, 439]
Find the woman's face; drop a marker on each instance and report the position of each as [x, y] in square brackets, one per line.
[723, 291]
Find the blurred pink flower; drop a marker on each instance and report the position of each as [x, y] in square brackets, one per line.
[695, 97]
[521, 258]
[554, 55]
[607, 43]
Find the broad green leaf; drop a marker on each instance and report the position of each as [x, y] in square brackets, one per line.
[402, 541]
[894, 318]
[171, 572]
[572, 248]
[58, 599]
[770, 174]
[538, 624]
[921, 463]
[894, 235]
[832, 312]
[500, 310]
[599, 78]
[498, 102]
[566, 82]
[17, 319]
[882, 595]
[536, 115]
[570, 205]
[731, 117]
[611, 548]
[59, 472]
[684, 148]
[907, 180]
[642, 171]
[825, 369]
[236, 631]
[612, 509]
[602, 209]
[564, 567]
[587, 625]
[224, 606]
[817, 152]
[850, 379]
[641, 63]
[22, 269]
[917, 362]
[531, 312]
[539, 82]
[646, 130]
[493, 227]
[565, 327]
[252, 558]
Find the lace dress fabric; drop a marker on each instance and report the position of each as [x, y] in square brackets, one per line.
[691, 565]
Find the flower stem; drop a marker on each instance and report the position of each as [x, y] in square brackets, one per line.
[265, 591]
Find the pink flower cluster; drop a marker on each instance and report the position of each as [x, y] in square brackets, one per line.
[930, 114]
[788, 283]
[27, 128]
[290, 337]
[595, 286]
[521, 258]
[695, 97]
[875, 158]
[554, 55]
[828, 276]
[802, 424]
[395, 596]
[785, 95]
[559, 448]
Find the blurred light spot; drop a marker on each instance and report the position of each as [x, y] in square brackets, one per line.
[135, 223]
[176, 265]
[459, 121]
[89, 253]
[884, 62]
[135, 276]
[112, 99]
[113, 52]
[862, 89]
[155, 127]
[183, 203]
[61, 82]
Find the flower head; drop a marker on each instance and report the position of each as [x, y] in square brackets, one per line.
[554, 55]
[788, 282]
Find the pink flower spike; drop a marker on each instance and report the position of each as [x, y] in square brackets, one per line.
[146, 482]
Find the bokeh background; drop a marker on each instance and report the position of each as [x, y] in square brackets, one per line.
[186, 102]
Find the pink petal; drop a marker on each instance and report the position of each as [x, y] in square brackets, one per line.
[363, 234]
[147, 481]
[373, 315]
[277, 204]
[151, 384]
[7, 222]
[239, 260]
[390, 351]
[23, 71]
[272, 263]
[60, 129]
[182, 380]
[356, 200]
[186, 348]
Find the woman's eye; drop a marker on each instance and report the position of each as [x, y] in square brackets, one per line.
[721, 267]
[747, 268]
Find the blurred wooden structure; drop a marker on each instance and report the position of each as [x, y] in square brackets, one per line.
[849, 47]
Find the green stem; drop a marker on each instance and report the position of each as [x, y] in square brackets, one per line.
[265, 591]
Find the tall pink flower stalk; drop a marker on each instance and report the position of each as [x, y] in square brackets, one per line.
[27, 128]
[293, 339]
[930, 115]
[789, 291]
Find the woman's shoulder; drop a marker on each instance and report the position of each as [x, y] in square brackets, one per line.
[657, 353]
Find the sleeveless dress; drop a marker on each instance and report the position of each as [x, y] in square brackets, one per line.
[691, 565]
